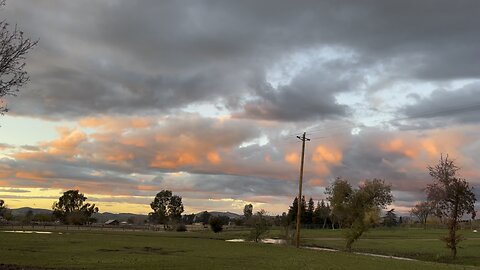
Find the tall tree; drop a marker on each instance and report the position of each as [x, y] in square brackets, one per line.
[248, 211]
[359, 207]
[292, 211]
[309, 211]
[166, 207]
[390, 218]
[4, 211]
[72, 209]
[339, 193]
[3, 208]
[422, 211]
[13, 48]
[321, 214]
[452, 198]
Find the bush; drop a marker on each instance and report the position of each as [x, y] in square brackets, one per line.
[181, 228]
[216, 224]
[259, 225]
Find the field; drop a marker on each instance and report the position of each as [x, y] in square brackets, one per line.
[205, 250]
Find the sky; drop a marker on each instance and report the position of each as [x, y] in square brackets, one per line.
[206, 98]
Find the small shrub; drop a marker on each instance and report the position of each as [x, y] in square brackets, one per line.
[216, 224]
[181, 228]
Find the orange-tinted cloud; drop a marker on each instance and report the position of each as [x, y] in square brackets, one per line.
[214, 158]
[292, 158]
[327, 154]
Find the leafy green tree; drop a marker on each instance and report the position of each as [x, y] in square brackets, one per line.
[359, 208]
[422, 211]
[338, 194]
[259, 225]
[452, 198]
[4, 211]
[216, 224]
[292, 211]
[3, 207]
[72, 209]
[13, 48]
[204, 218]
[166, 208]
[248, 211]
[390, 218]
[321, 214]
[309, 211]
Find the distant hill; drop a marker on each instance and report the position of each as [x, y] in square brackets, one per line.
[102, 217]
[35, 211]
[227, 214]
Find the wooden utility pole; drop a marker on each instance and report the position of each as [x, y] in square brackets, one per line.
[299, 199]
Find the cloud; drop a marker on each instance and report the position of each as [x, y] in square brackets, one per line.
[125, 74]
[143, 57]
[445, 107]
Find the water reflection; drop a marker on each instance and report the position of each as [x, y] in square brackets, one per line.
[265, 241]
[28, 232]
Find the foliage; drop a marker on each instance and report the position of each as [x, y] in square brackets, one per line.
[13, 48]
[166, 208]
[259, 225]
[248, 211]
[338, 194]
[72, 209]
[452, 197]
[181, 227]
[204, 218]
[3, 208]
[292, 211]
[309, 212]
[321, 214]
[422, 211]
[390, 218]
[358, 208]
[216, 224]
[188, 219]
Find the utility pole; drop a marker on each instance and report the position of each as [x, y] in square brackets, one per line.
[299, 200]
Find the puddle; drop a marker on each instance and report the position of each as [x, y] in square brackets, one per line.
[363, 253]
[385, 256]
[274, 241]
[29, 232]
[265, 241]
[235, 240]
[282, 242]
[322, 249]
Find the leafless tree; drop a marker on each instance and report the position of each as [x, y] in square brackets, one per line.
[13, 48]
[422, 211]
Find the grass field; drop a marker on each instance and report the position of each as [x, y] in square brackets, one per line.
[205, 250]
[415, 243]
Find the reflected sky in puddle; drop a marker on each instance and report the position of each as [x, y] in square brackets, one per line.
[29, 232]
[265, 241]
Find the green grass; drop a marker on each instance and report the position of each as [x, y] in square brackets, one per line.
[412, 243]
[168, 250]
